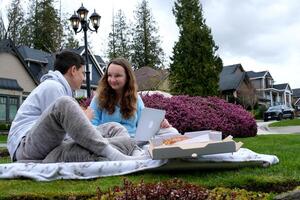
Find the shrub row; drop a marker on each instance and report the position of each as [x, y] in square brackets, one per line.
[175, 189]
[84, 101]
[187, 113]
[4, 127]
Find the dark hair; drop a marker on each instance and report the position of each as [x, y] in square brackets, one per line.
[66, 59]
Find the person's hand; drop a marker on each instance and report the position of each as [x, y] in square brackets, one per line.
[89, 113]
[165, 124]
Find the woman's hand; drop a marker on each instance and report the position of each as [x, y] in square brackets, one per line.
[89, 113]
[165, 124]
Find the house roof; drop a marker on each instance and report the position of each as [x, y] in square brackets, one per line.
[296, 92]
[10, 84]
[40, 61]
[80, 50]
[261, 74]
[8, 46]
[148, 78]
[229, 80]
[100, 61]
[97, 60]
[281, 86]
[146, 71]
[230, 69]
[34, 55]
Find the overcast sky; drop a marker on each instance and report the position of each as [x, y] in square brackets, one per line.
[262, 35]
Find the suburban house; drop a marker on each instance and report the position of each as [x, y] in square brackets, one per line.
[268, 93]
[151, 79]
[21, 69]
[235, 86]
[296, 99]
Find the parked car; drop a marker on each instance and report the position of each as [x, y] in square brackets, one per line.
[279, 112]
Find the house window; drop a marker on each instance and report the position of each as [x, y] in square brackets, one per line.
[12, 107]
[8, 107]
[2, 108]
[270, 82]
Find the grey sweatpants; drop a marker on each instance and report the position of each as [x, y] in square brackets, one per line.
[45, 141]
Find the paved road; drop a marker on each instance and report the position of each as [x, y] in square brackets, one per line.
[263, 129]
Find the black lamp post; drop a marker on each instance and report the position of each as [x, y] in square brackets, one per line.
[81, 18]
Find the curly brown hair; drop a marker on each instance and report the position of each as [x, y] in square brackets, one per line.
[107, 96]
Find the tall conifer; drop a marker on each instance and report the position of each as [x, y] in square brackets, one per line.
[16, 21]
[119, 37]
[195, 67]
[146, 43]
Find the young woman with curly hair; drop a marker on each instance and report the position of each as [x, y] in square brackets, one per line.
[117, 99]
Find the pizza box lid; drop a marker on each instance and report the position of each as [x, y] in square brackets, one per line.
[200, 143]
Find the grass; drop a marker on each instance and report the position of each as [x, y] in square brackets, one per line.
[276, 178]
[3, 138]
[293, 122]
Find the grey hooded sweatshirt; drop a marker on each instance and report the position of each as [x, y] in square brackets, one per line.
[53, 85]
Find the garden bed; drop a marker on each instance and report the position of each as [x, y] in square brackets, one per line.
[276, 179]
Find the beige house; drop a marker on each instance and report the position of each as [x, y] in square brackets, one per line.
[16, 81]
[21, 69]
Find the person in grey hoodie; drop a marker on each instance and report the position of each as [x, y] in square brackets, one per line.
[49, 113]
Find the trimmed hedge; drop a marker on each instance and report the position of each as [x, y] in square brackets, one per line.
[4, 127]
[197, 113]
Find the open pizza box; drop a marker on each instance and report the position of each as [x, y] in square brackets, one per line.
[197, 143]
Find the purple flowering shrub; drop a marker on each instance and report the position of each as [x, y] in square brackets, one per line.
[187, 113]
[84, 101]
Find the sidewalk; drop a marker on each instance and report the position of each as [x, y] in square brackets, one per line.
[264, 129]
[3, 145]
[285, 129]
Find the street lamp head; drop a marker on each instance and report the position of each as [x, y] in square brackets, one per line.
[81, 19]
[95, 19]
[82, 13]
[75, 20]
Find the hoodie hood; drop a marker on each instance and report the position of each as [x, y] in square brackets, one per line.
[57, 76]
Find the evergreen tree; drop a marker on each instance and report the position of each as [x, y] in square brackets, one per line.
[195, 67]
[2, 27]
[119, 38]
[26, 32]
[69, 40]
[44, 28]
[16, 22]
[146, 43]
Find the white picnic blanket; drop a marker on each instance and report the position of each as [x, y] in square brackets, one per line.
[242, 155]
[89, 170]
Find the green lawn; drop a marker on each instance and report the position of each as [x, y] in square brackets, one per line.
[287, 122]
[277, 177]
[3, 138]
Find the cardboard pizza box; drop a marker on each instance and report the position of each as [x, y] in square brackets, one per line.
[199, 143]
